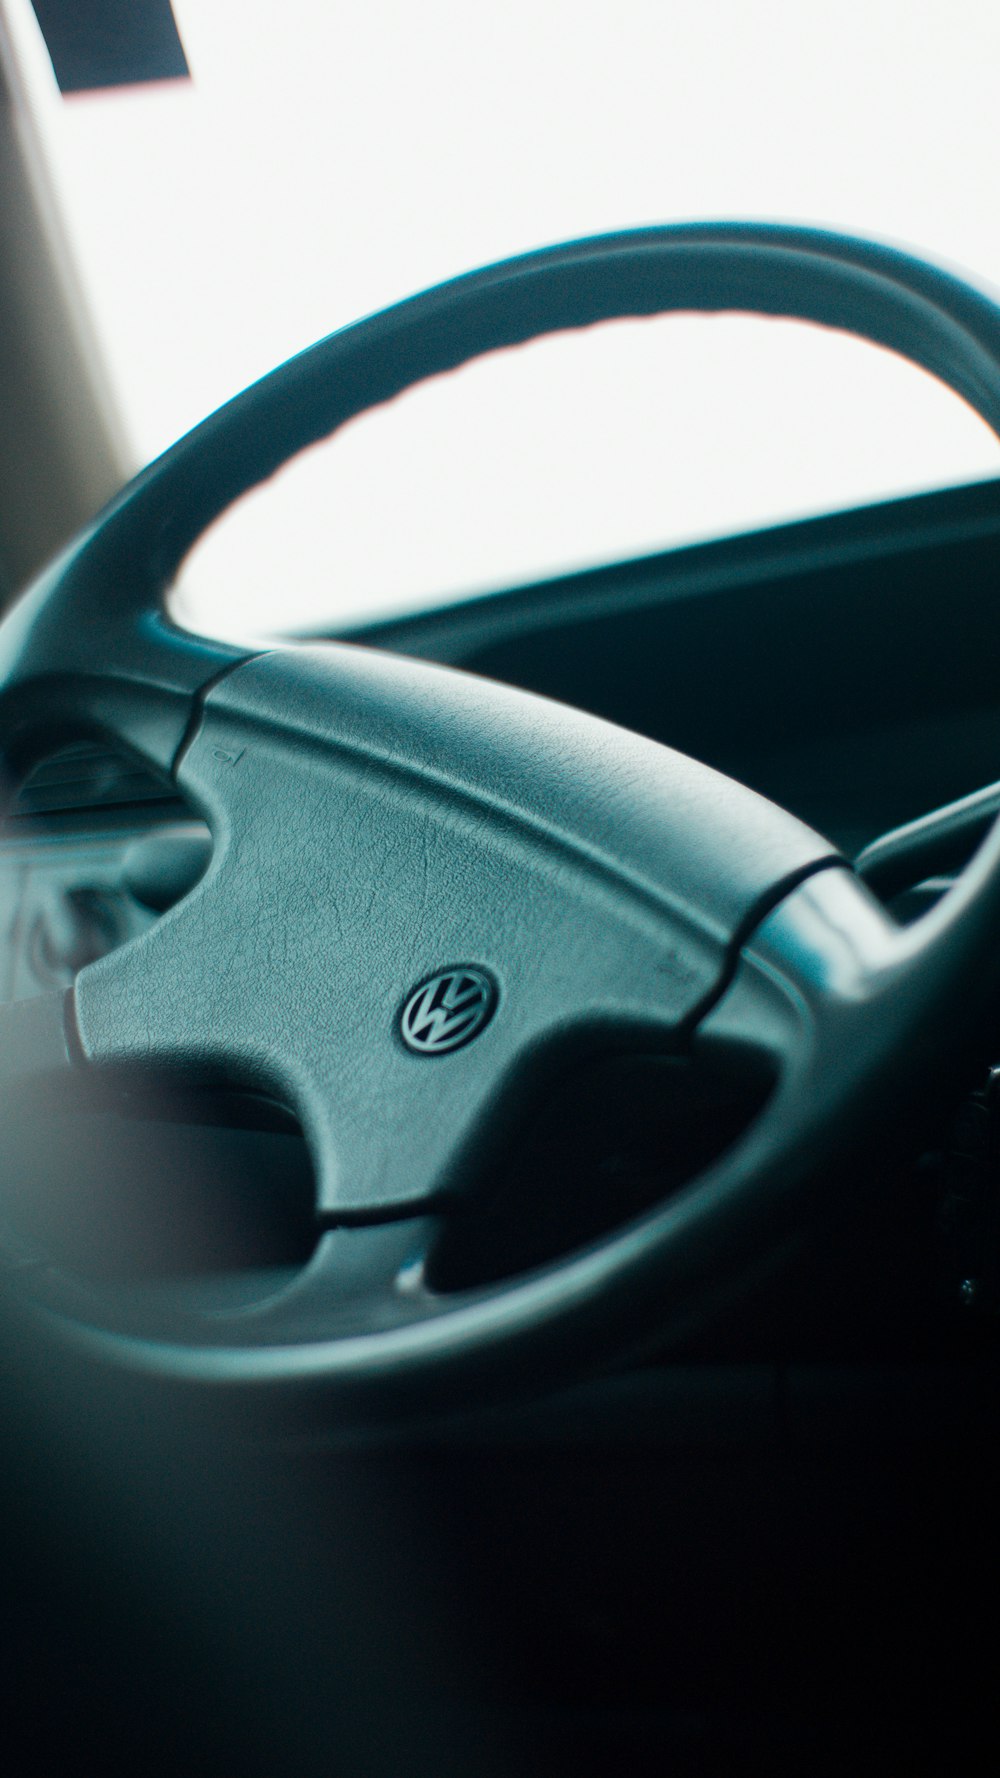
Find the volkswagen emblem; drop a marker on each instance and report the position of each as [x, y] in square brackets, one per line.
[447, 1010]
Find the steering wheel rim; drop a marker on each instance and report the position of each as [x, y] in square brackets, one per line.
[735, 925]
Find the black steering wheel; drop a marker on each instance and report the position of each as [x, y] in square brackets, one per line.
[425, 886]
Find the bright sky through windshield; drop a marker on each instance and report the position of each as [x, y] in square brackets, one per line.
[327, 160]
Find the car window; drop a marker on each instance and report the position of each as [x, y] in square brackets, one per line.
[318, 166]
[576, 449]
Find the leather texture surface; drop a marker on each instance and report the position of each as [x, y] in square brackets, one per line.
[379, 819]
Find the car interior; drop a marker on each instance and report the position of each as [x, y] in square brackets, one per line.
[501, 1194]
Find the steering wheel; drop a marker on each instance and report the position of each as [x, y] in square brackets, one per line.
[425, 886]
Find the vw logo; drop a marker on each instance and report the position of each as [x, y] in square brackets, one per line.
[448, 1010]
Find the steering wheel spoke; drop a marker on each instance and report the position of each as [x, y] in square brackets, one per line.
[360, 1281]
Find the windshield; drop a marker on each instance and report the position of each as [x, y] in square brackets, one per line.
[321, 163]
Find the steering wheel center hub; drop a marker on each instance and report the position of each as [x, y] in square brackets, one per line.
[372, 816]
